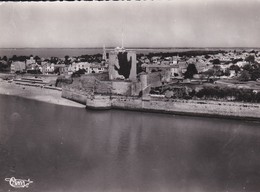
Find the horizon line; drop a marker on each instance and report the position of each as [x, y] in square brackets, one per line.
[195, 47]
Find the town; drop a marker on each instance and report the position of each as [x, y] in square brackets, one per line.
[208, 74]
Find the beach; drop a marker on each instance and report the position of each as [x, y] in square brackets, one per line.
[36, 93]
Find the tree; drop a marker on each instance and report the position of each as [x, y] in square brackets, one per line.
[219, 73]
[4, 58]
[57, 70]
[250, 59]
[66, 57]
[14, 58]
[215, 61]
[234, 61]
[245, 76]
[227, 72]
[247, 67]
[81, 71]
[209, 73]
[253, 70]
[207, 56]
[67, 61]
[37, 57]
[255, 74]
[4, 66]
[191, 70]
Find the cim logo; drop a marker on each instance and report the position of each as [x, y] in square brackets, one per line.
[19, 183]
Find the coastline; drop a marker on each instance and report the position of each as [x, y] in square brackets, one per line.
[203, 108]
[36, 93]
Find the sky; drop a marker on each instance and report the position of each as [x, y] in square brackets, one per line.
[176, 23]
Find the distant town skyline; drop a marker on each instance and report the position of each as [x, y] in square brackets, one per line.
[179, 23]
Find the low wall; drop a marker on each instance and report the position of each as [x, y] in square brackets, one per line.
[74, 96]
[190, 107]
[99, 102]
[186, 107]
[205, 108]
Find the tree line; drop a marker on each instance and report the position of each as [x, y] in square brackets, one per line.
[209, 93]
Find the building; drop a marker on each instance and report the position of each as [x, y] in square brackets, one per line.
[61, 69]
[30, 61]
[50, 68]
[17, 66]
[96, 68]
[104, 56]
[77, 66]
[122, 64]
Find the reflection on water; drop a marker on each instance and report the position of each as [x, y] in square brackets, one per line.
[71, 149]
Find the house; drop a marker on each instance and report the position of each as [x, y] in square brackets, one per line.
[80, 65]
[183, 66]
[61, 68]
[200, 66]
[17, 66]
[97, 68]
[32, 66]
[241, 63]
[47, 68]
[30, 61]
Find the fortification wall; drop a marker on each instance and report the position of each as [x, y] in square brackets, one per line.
[71, 94]
[121, 102]
[99, 76]
[103, 87]
[99, 102]
[194, 107]
[154, 79]
[121, 87]
[87, 82]
[215, 108]
[189, 107]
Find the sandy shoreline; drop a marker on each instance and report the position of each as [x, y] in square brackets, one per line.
[36, 93]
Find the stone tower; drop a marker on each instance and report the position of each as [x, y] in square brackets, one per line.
[122, 64]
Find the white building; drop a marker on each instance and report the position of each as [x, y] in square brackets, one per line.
[81, 65]
[30, 61]
[17, 66]
[96, 68]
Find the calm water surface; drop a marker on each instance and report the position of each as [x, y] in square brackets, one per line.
[61, 52]
[71, 149]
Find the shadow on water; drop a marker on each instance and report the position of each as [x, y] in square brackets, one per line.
[71, 149]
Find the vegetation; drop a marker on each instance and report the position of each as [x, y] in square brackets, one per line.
[91, 58]
[4, 66]
[191, 70]
[183, 54]
[78, 73]
[244, 76]
[34, 71]
[209, 93]
[252, 70]
[215, 61]
[250, 59]
[62, 80]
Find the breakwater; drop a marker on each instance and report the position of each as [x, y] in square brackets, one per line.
[162, 105]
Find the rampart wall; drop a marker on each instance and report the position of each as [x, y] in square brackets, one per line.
[162, 105]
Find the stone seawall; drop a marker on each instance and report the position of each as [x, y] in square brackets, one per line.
[99, 102]
[74, 96]
[194, 107]
[188, 107]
